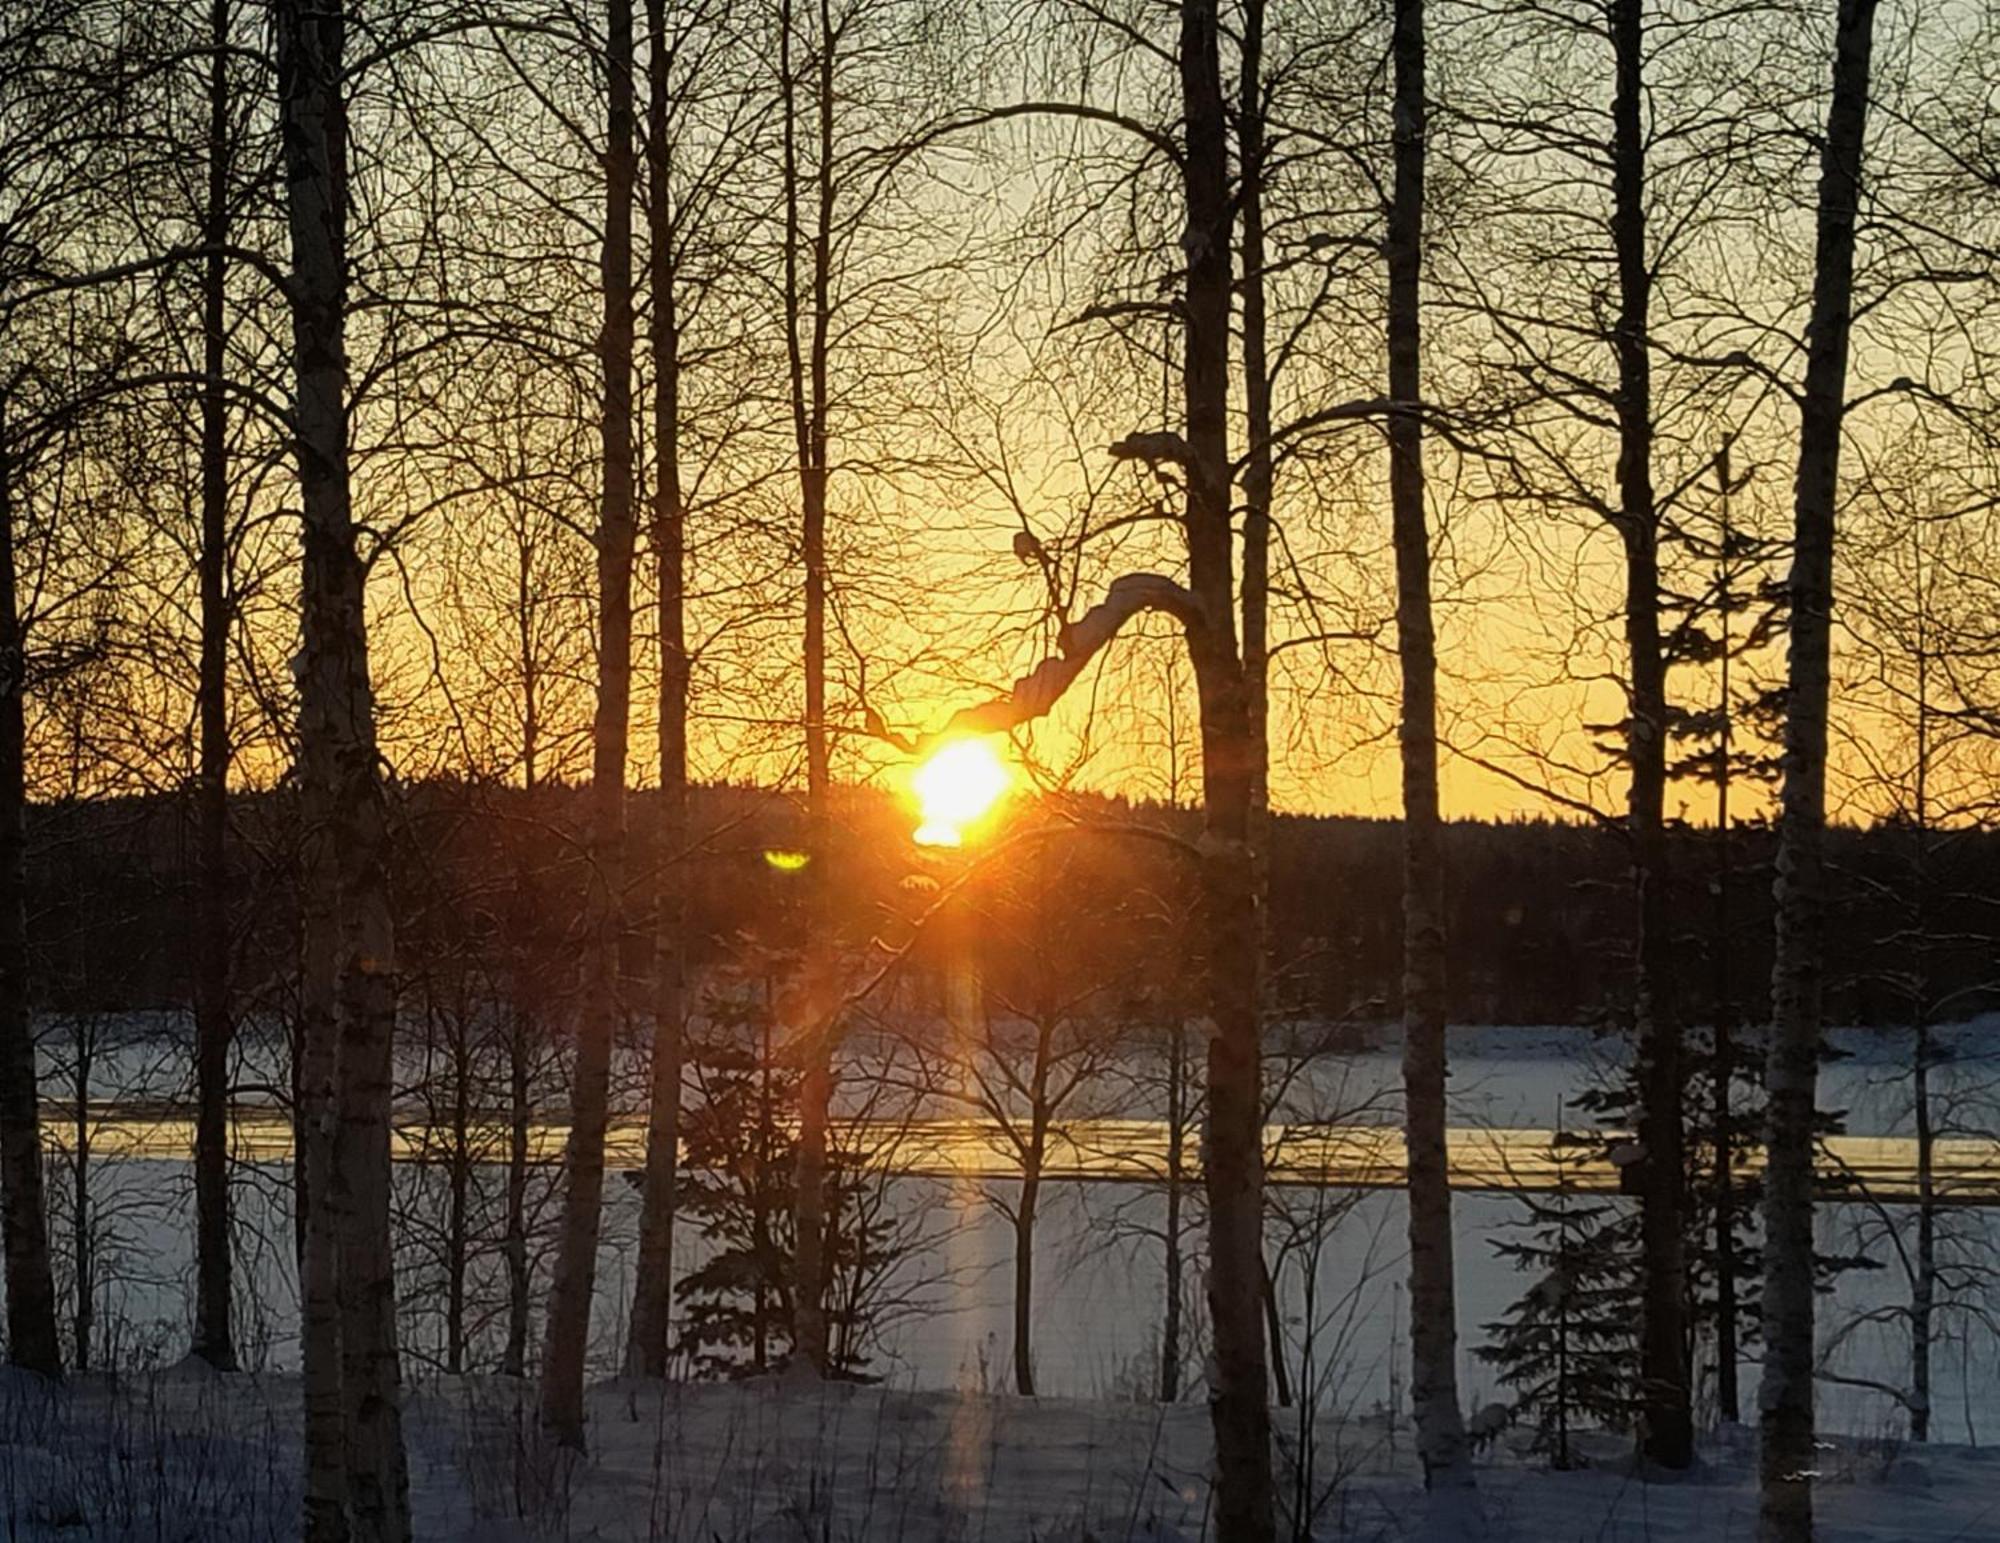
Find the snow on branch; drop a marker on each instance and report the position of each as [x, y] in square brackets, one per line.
[1035, 693]
[1154, 447]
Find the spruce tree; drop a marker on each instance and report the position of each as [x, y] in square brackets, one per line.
[1567, 1349]
[737, 1193]
[740, 1143]
[1730, 621]
[1726, 615]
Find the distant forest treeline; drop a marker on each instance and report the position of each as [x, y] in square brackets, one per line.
[1539, 911]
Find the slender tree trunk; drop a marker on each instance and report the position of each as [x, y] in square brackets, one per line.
[351, 944]
[1728, 1397]
[85, 1296]
[1727, 1392]
[214, 1337]
[32, 1338]
[457, 1235]
[1234, 1171]
[370, 1366]
[1923, 1292]
[1441, 1444]
[809, 361]
[761, 1244]
[1170, 1333]
[1258, 471]
[302, 1112]
[809, 1213]
[1564, 1388]
[1258, 478]
[1923, 1289]
[1274, 1337]
[647, 1355]
[1234, 1174]
[325, 1492]
[514, 1239]
[1792, 1069]
[1024, 1261]
[525, 1021]
[576, 1258]
[1668, 1425]
[646, 1345]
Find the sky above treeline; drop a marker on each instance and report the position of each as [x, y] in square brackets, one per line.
[998, 323]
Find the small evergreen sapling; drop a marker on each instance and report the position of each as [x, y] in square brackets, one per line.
[737, 1192]
[740, 1139]
[1566, 1350]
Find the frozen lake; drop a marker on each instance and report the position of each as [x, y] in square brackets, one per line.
[1100, 1291]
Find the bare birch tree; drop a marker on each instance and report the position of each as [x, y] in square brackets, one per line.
[353, 1370]
[576, 1263]
[852, 79]
[1433, 1302]
[32, 1340]
[808, 323]
[1608, 213]
[214, 1333]
[1798, 972]
[647, 1336]
[53, 81]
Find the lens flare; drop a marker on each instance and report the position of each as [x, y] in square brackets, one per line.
[956, 788]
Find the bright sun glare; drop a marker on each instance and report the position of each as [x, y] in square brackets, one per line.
[955, 788]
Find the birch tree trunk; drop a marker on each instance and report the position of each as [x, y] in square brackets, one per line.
[1234, 1167]
[325, 1490]
[32, 1340]
[1668, 1428]
[350, 946]
[1259, 476]
[647, 1343]
[1441, 1441]
[214, 1337]
[808, 360]
[370, 1370]
[1792, 1068]
[576, 1258]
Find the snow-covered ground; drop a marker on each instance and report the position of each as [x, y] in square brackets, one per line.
[178, 1456]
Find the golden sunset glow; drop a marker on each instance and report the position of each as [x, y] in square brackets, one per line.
[956, 788]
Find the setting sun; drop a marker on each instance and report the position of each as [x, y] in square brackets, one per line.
[955, 788]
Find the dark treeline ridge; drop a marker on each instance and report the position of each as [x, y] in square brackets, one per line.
[1536, 912]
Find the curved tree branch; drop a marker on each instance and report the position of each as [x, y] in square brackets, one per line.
[1034, 694]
